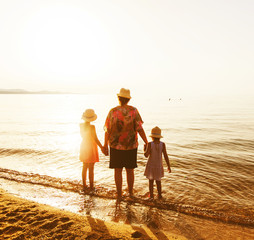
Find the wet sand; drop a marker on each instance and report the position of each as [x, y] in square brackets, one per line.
[23, 219]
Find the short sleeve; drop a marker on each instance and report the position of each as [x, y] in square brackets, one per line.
[107, 122]
[138, 121]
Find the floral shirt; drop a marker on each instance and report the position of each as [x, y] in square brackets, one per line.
[122, 125]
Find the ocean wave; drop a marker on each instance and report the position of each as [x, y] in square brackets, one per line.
[22, 151]
[231, 144]
[76, 186]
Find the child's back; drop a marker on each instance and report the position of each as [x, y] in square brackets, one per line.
[88, 148]
[154, 168]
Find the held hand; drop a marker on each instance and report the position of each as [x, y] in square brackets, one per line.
[145, 147]
[104, 150]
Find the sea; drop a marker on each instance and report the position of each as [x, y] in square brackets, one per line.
[209, 140]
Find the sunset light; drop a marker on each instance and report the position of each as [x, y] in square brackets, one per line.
[93, 47]
[125, 119]
[63, 41]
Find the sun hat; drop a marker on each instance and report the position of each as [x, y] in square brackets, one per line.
[156, 132]
[125, 93]
[89, 115]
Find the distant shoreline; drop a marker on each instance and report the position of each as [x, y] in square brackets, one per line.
[20, 91]
[32, 93]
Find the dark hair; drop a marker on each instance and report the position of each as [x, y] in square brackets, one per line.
[155, 138]
[123, 100]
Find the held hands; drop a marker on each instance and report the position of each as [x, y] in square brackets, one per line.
[104, 150]
[145, 147]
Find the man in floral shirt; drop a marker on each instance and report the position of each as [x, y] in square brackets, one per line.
[122, 126]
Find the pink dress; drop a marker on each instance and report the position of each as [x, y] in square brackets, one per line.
[154, 167]
[88, 147]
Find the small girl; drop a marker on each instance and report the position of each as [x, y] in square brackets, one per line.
[88, 149]
[154, 168]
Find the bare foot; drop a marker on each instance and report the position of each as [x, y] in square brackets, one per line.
[159, 197]
[118, 199]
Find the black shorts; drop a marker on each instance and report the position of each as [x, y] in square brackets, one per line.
[123, 158]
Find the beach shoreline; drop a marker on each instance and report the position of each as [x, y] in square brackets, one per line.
[24, 219]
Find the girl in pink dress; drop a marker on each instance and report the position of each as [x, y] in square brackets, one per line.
[88, 149]
[154, 168]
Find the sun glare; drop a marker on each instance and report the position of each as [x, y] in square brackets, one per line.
[65, 41]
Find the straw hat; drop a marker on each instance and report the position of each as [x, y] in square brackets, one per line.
[125, 93]
[89, 115]
[156, 132]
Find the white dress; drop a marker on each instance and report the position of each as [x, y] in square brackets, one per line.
[154, 167]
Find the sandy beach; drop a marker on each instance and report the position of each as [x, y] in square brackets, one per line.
[23, 219]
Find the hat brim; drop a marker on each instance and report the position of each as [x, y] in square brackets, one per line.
[119, 95]
[156, 136]
[90, 119]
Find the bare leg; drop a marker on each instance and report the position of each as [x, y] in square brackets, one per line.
[158, 183]
[151, 188]
[130, 180]
[118, 181]
[84, 171]
[91, 175]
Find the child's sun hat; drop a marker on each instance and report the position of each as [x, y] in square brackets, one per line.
[89, 115]
[156, 132]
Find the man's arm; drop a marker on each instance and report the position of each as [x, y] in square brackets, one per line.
[105, 147]
[143, 135]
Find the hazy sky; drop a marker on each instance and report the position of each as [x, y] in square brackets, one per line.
[152, 47]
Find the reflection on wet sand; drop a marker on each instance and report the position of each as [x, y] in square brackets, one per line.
[159, 221]
[153, 219]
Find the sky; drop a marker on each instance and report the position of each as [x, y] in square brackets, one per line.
[159, 47]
